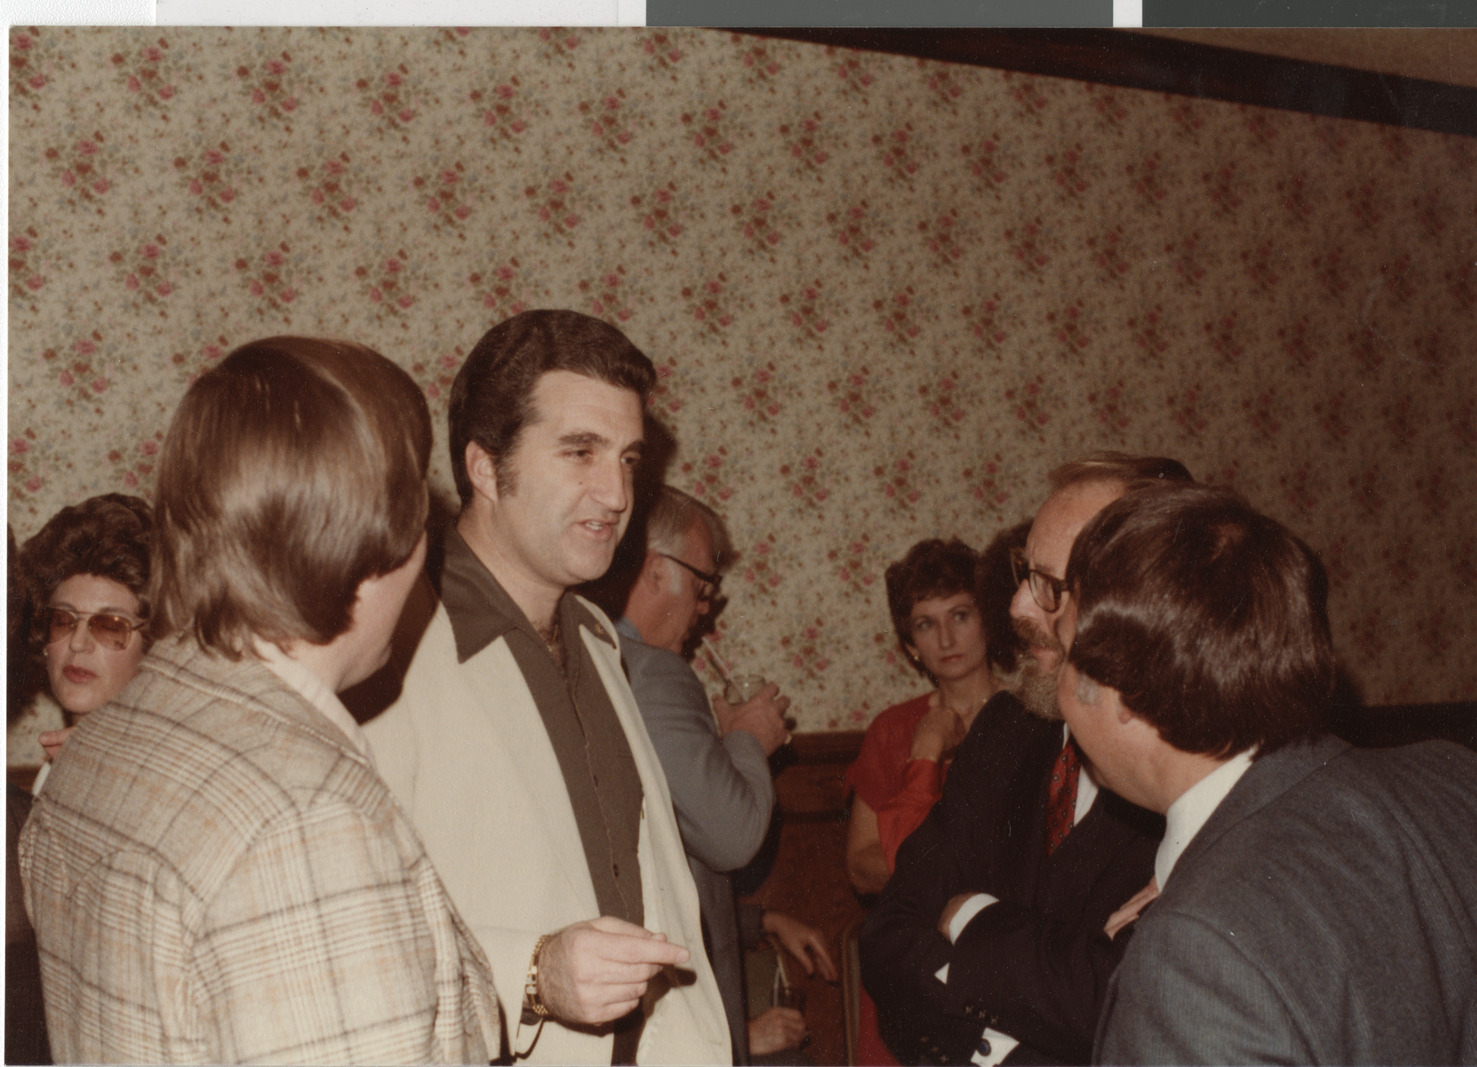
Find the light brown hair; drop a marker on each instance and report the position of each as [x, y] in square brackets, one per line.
[291, 472]
[1132, 472]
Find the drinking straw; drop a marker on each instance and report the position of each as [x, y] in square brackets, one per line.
[716, 659]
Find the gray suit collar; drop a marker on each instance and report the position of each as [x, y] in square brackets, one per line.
[1268, 778]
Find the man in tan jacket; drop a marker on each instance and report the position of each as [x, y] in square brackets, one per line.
[516, 745]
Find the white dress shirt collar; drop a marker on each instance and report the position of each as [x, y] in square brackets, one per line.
[315, 692]
[1189, 813]
[1087, 786]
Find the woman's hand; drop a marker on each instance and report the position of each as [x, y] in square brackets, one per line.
[52, 740]
[938, 733]
[776, 1030]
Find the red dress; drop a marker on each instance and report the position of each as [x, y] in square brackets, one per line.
[901, 792]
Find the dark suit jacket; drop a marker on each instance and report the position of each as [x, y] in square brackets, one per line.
[1034, 965]
[1325, 913]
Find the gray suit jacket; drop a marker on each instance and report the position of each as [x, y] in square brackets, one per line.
[723, 795]
[1326, 913]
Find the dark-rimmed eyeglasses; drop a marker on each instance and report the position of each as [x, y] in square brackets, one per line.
[710, 582]
[1045, 590]
[107, 629]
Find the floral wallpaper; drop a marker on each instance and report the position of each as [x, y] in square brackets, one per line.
[886, 295]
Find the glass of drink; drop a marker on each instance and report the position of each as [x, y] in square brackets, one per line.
[743, 687]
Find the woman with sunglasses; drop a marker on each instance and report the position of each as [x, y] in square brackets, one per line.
[86, 573]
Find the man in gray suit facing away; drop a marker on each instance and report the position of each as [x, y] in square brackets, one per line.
[1315, 903]
[717, 767]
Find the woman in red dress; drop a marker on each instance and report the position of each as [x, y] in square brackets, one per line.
[950, 608]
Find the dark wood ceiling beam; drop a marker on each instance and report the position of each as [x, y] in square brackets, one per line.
[1167, 65]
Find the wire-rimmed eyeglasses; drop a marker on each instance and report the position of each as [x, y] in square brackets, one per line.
[107, 628]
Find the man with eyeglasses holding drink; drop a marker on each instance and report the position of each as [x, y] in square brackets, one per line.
[994, 940]
[716, 758]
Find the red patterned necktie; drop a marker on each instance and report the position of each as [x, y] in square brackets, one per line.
[1061, 797]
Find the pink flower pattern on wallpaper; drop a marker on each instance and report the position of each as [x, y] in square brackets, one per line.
[885, 295]
[211, 175]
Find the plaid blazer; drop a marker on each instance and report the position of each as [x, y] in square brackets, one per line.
[215, 875]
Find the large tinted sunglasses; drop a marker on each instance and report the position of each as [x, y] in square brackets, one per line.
[109, 630]
[1045, 590]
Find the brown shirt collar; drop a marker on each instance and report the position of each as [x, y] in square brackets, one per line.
[481, 611]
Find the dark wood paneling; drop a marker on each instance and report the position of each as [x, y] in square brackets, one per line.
[1400, 724]
[1186, 68]
[808, 880]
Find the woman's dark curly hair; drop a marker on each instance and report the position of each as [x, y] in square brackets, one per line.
[106, 535]
[937, 568]
[995, 587]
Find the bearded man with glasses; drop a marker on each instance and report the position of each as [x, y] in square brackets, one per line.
[994, 939]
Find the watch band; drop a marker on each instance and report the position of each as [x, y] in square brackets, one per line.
[530, 984]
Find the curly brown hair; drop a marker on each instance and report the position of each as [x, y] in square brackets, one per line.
[938, 568]
[107, 535]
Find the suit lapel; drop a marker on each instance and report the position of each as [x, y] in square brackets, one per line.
[612, 673]
[1268, 778]
[511, 722]
[1111, 826]
[1022, 748]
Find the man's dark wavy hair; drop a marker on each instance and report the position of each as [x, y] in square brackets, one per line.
[492, 396]
[1210, 619]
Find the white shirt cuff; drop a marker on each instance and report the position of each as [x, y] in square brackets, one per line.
[994, 1047]
[967, 911]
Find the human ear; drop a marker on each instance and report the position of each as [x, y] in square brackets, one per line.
[481, 470]
[1119, 709]
[1105, 697]
[651, 570]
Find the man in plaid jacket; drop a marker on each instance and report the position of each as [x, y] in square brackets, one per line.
[215, 870]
